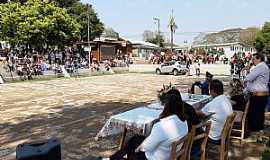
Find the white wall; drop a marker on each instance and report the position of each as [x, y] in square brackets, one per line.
[231, 50]
[4, 44]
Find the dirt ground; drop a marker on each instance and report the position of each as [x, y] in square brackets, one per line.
[74, 110]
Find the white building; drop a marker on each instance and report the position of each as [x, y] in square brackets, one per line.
[142, 50]
[229, 48]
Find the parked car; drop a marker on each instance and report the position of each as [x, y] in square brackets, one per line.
[174, 67]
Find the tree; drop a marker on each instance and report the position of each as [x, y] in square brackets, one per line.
[147, 34]
[3, 1]
[80, 12]
[38, 23]
[109, 32]
[66, 3]
[248, 36]
[155, 40]
[152, 37]
[263, 39]
[10, 16]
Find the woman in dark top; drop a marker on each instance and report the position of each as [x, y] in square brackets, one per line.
[237, 95]
[190, 116]
[189, 112]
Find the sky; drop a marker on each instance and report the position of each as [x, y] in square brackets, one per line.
[130, 18]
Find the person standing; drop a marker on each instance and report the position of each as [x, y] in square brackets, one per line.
[197, 67]
[268, 101]
[256, 84]
[203, 86]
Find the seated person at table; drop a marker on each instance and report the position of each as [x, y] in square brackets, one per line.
[171, 127]
[189, 112]
[203, 86]
[237, 95]
[190, 116]
[221, 106]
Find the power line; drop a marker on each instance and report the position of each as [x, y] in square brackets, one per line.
[192, 33]
[209, 32]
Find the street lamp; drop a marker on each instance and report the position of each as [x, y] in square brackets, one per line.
[158, 23]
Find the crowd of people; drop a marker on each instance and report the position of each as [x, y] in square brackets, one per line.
[27, 63]
[37, 61]
[239, 64]
[158, 58]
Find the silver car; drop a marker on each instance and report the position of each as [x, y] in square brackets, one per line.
[174, 67]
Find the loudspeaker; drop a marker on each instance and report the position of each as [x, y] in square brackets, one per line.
[42, 150]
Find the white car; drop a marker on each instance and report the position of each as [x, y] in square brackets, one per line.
[174, 67]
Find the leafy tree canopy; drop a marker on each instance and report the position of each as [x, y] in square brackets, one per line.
[37, 23]
[110, 32]
[248, 36]
[155, 40]
[81, 12]
[10, 17]
[49, 24]
[44, 22]
[152, 37]
[263, 39]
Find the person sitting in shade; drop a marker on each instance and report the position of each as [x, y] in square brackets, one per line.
[236, 94]
[170, 127]
[189, 111]
[190, 116]
[220, 107]
[203, 86]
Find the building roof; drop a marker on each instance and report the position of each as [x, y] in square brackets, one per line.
[143, 44]
[216, 45]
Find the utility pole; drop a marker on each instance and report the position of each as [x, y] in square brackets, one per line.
[158, 23]
[88, 36]
[171, 41]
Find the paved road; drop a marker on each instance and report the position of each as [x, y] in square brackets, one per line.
[74, 110]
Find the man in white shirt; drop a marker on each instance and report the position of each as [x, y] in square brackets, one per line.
[257, 84]
[220, 107]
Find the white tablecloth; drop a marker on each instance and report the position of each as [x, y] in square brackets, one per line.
[140, 120]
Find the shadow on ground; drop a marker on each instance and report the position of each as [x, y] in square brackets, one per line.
[75, 126]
